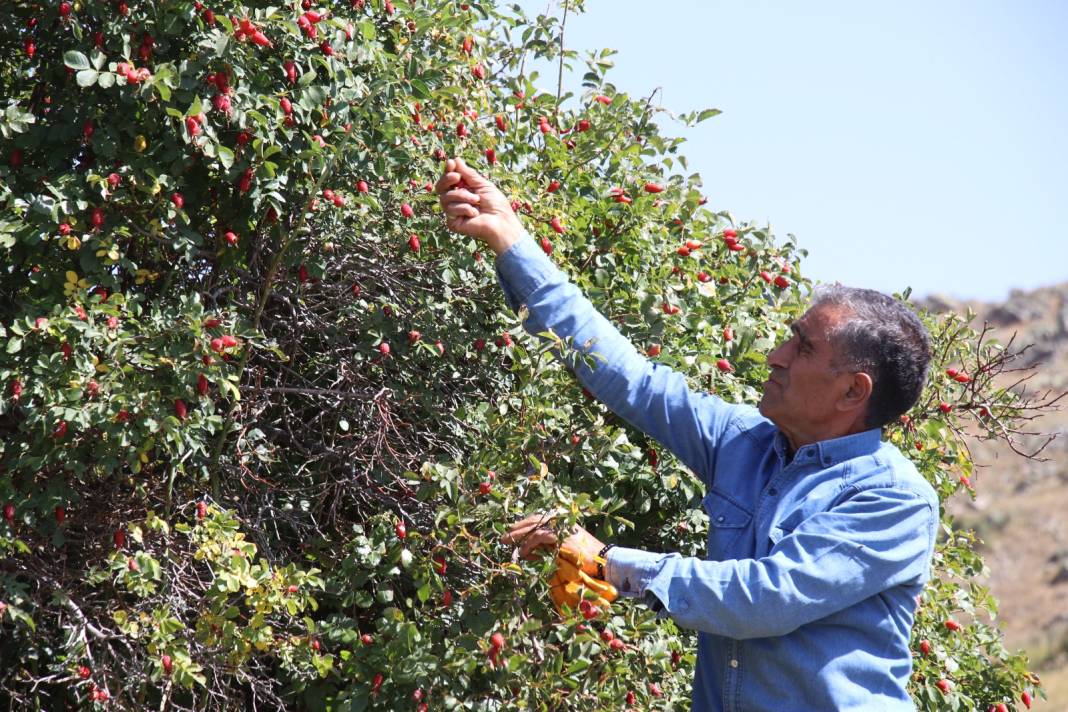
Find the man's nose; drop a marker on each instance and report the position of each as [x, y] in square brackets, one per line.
[779, 358]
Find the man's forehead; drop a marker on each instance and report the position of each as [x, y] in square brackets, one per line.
[817, 321]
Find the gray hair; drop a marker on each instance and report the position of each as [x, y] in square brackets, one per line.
[883, 338]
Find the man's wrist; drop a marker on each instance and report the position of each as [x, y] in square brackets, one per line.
[508, 237]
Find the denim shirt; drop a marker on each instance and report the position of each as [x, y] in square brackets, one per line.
[806, 596]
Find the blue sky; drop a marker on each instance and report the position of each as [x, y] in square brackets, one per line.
[904, 144]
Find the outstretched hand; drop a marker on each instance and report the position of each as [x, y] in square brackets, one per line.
[535, 532]
[476, 207]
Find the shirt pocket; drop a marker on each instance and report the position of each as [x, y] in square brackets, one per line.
[727, 522]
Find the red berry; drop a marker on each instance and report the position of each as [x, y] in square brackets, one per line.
[168, 665]
[501, 124]
[362, 186]
[631, 698]
[557, 227]
[178, 200]
[383, 348]
[180, 409]
[406, 210]
[945, 407]
[944, 686]
[654, 188]
[653, 350]
[952, 625]
[582, 125]
[414, 336]
[607, 635]
[96, 217]
[61, 513]
[192, 125]
[485, 487]
[366, 639]
[617, 644]
[766, 276]
[478, 71]
[413, 243]
[467, 45]
[84, 672]
[1026, 699]
[925, 646]
[446, 598]
[119, 538]
[402, 531]
[293, 588]
[9, 513]
[602, 99]
[302, 274]
[376, 682]
[497, 641]
[654, 690]
[202, 510]
[546, 246]
[724, 365]
[230, 237]
[782, 282]
[60, 430]
[131, 564]
[553, 187]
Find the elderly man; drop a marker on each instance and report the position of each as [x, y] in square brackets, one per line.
[820, 533]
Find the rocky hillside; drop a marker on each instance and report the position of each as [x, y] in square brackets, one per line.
[1021, 505]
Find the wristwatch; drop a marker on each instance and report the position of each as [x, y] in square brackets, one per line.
[602, 561]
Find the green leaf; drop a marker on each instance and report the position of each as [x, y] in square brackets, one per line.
[226, 156]
[708, 114]
[87, 77]
[75, 60]
[106, 80]
[14, 345]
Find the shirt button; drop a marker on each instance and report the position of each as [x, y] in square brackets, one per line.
[720, 518]
[734, 663]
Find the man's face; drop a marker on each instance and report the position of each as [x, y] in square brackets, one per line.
[803, 387]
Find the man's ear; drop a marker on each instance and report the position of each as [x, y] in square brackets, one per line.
[859, 393]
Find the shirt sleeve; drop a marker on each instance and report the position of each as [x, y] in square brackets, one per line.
[876, 540]
[650, 396]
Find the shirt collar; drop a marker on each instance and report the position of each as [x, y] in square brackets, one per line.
[828, 453]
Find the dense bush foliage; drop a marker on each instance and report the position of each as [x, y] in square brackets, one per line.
[263, 420]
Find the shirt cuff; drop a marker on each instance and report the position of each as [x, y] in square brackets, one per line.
[631, 570]
[521, 269]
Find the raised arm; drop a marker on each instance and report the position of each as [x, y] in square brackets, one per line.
[650, 396]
